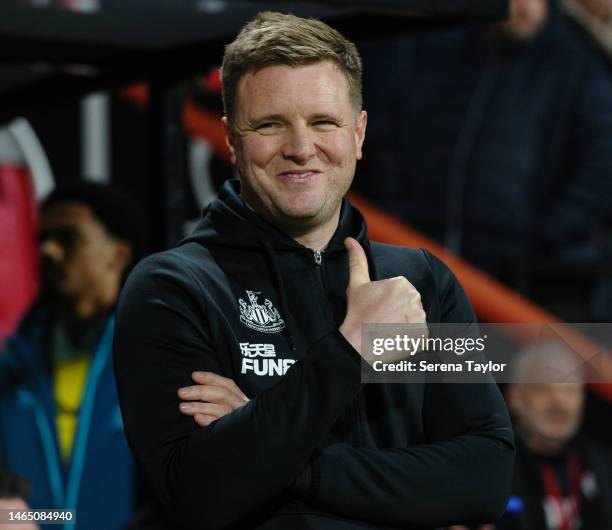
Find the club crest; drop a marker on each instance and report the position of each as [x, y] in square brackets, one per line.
[260, 317]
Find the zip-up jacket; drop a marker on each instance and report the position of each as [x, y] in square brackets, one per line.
[98, 480]
[314, 447]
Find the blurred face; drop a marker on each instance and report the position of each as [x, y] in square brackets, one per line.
[79, 259]
[295, 141]
[527, 18]
[550, 412]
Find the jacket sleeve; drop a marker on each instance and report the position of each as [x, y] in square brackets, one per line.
[462, 474]
[212, 476]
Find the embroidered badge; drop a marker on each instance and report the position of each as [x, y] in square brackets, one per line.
[260, 317]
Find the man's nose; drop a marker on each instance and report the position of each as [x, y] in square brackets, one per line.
[564, 394]
[51, 250]
[299, 145]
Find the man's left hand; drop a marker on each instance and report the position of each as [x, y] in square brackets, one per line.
[211, 398]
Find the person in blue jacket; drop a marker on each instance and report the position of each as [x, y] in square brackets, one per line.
[60, 422]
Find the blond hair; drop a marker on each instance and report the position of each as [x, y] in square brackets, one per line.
[275, 38]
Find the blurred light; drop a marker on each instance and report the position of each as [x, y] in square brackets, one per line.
[515, 505]
[81, 6]
[77, 6]
[211, 6]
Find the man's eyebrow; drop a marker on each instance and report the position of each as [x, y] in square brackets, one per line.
[266, 117]
[280, 117]
[324, 116]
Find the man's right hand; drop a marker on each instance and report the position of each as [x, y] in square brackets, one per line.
[390, 301]
[212, 397]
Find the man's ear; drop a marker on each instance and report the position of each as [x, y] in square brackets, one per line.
[360, 130]
[230, 139]
[122, 256]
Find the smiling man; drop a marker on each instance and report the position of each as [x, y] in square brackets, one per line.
[262, 308]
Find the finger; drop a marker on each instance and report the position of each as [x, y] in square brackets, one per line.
[192, 408]
[203, 420]
[210, 378]
[211, 394]
[358, 263]
[415, 315]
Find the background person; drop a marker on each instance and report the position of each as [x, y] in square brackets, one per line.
[496, 141]
[562, 478]
[60, 422]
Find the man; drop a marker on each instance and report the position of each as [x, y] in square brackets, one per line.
[264, 304]
[60, 423]
[563, 479]
[508, 131]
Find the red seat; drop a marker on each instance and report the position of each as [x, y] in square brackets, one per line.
[18, 245]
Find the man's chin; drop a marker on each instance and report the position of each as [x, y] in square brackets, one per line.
[559, 435]
[299, 218]
[302, 213]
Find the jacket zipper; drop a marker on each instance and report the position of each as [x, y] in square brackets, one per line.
[318, 263]
[318, 259]
[353, 425]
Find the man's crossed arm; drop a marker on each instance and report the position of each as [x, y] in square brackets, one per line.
[416, 478]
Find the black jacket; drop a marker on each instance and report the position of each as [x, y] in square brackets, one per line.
[314, 448]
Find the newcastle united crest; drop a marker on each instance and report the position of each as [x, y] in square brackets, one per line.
[260, 317]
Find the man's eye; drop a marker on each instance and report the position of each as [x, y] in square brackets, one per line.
[325, 124]
[267, 126]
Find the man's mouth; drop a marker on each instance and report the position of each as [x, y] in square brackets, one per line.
[558, 417]
[299, 175]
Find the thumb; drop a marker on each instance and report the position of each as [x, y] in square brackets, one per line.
[358, 263]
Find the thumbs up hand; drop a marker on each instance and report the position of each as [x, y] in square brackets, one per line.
[359, 273]
[390, 301]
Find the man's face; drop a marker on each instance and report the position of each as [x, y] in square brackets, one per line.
[295, 141]
[78, 256]
[551, 411]
[527, 18]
